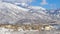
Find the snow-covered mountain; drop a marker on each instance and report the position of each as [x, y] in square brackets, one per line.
[54, 13]
[12, 14]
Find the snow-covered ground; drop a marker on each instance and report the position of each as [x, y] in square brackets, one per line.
[19, 32]
[31, 32]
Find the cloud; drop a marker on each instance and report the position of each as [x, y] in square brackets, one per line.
[18, 1]
[44, 2]
[25, 1]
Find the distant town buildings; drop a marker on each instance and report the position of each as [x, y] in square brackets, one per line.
[28, 27]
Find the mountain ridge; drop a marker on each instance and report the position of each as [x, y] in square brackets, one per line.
[13, 14]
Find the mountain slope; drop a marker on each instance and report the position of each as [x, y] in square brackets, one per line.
[13, 14]
[9, 12]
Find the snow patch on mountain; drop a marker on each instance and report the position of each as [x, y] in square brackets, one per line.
[12, 14]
